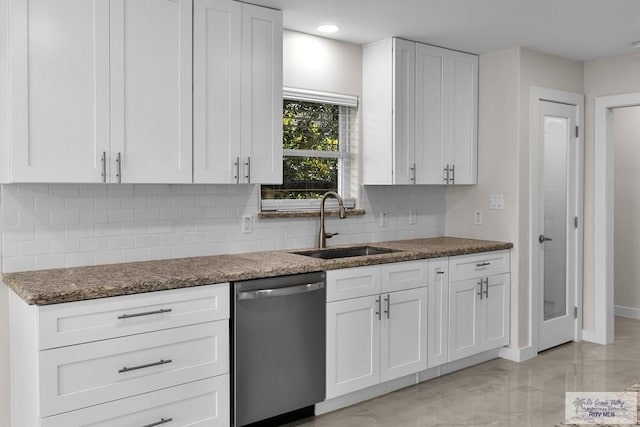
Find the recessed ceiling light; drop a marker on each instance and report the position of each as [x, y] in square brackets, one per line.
[328, 28]
[636, 44]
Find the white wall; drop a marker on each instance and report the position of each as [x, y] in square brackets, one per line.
[626, 138]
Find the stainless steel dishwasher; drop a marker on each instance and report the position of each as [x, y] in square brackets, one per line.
[279, 346]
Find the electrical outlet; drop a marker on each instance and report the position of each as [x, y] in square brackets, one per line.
[384, 219]
[246, 224]
[413, 217]
[477, 217]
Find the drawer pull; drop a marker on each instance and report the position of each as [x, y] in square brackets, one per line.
[483, 264]
[157, 423]
[146, 313]
[439, 272]
[148, 365]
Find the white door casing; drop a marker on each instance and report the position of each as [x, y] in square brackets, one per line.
[560, 110]
[603, 272]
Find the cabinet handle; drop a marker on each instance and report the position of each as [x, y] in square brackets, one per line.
[248, 175]
[103, 159]
[379, 304]
[146, 365]
[439, 272]
[483, 264]
[453, 174]
[145, 313]
[486, 287]
[412, 172]
[157, 423]
[119, 167]
[479, 293]
[388, 301]
[446, 177]
[237, 175]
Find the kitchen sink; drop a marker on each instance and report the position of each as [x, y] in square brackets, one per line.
[353, 251]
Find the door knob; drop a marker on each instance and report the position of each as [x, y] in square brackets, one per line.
[543, 239]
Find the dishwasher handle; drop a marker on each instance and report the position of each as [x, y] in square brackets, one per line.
[280, 292]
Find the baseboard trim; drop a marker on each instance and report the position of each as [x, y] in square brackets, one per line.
[517, 354]
[628, 312]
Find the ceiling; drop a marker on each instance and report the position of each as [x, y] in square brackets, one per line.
[577, 29]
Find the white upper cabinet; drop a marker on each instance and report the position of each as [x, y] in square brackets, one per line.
[100, 91]
[419, 114]
[237, 93]
[59, 86]
[105, 91]
[151, 83]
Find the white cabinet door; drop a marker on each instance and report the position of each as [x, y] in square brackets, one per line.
[398, 276]
[438, 313]
[495, 317]
[429, 124]
[261, 135]
[353, 282]
[404, 60]
[353, 345]
[461, 108]
[217, 44]
[151, 86]
[59, 77]
[403, 342]
[464, 327]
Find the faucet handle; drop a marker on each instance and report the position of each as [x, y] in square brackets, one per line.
[330, 235]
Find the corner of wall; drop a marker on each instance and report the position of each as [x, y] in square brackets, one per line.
[4, 91]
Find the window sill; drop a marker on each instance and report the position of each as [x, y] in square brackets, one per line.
[305, 214]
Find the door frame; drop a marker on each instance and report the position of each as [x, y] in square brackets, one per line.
[603, 214]
[539, 94]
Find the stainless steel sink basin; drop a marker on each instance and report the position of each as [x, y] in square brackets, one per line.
[334, 253]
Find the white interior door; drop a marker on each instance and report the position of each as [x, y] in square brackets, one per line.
[557, 243]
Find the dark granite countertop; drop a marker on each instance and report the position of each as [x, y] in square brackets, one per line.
[45, 287]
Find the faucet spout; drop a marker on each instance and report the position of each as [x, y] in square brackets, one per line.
[342, 213]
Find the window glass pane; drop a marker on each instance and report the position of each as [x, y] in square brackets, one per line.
[310, 126]
[304, 178]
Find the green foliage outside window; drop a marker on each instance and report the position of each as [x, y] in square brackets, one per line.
[308, 126]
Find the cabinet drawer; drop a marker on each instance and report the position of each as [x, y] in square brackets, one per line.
[85, 321]
[404, 275]
[200, 403]
[483, 264]
[353, 282]
[88, 374]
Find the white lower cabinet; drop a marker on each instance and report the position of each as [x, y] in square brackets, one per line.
[353, 345]
[478, 315]
[140, 360]
[403, 345]
[378, 337]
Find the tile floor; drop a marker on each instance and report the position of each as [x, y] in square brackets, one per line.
[503, 393]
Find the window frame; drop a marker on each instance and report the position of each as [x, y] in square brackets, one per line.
[344, 155]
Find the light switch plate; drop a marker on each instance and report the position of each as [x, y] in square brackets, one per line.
[496, 201]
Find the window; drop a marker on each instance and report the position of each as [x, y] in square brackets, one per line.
[318, 135]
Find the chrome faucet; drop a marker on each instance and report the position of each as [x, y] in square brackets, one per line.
[322, 238]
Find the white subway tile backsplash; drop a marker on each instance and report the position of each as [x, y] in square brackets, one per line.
[67, 225]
